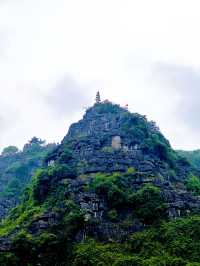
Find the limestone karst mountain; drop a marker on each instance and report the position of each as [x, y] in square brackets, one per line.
[114, 178]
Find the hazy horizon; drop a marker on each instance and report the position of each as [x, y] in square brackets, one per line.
[55, 55]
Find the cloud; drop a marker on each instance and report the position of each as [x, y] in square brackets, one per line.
[111, 45]
[8, 121]
[183, 82]
[67, 97]
[181, 87]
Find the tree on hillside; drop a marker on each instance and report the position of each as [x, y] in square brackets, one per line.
[10, 150]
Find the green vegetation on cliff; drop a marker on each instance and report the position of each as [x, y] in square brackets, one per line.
[174, 243]
[95, 203]
[17, 168]
[192, 156]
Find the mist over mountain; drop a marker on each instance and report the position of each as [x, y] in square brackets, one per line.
[16, 169]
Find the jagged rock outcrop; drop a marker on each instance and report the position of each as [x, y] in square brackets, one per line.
[178, 203]
[109, 139]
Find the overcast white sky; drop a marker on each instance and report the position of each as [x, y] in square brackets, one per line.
[55, 55]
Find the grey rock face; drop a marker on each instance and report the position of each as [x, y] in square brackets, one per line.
[108, 141]
[44, 222]
[97, 223]
[180, 202]
[99, 226]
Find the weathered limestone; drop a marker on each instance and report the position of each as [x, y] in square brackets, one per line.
[116, 142]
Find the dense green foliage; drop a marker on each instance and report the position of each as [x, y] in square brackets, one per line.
[52, 246]
[10, 150]
[46, 178]
[192, 156]
[146, 202]
[175, 243]
[107, 107]
[193, 184]
[16, 168]
[154, 143]
[135, 125]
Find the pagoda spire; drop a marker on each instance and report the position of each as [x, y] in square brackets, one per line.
[98, 97]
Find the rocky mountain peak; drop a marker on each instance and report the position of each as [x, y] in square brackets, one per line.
[100, 118]
[109, 138]
[110, 119]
